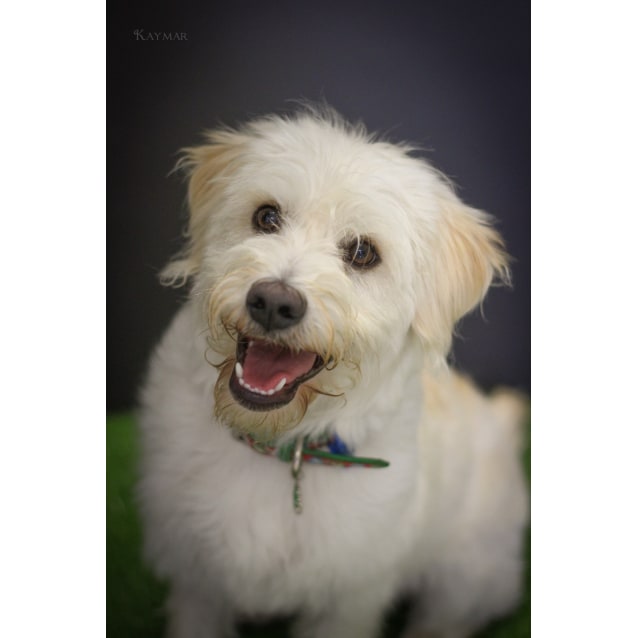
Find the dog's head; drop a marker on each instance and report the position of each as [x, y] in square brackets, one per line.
[317, 252]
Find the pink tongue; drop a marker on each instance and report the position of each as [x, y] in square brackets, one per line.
[266, 365]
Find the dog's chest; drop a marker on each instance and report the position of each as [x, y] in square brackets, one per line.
[355, 524]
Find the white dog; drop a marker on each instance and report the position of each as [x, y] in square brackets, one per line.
[305, 450]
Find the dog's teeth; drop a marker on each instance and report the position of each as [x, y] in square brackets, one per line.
[251, 344]
[267, 393]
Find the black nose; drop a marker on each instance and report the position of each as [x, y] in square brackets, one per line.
[275, 305]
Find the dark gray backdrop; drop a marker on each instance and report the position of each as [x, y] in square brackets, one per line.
[450, 76]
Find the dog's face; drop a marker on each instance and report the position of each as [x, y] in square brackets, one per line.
[316, 251]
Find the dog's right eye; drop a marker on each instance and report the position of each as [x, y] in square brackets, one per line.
[267, 219]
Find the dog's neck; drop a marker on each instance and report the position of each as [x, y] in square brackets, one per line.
[331, 451]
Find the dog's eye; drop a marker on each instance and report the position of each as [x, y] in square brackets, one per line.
[361, 254]
[267, 219]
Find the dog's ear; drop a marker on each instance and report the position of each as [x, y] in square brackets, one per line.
[206, 166]
[462, 255]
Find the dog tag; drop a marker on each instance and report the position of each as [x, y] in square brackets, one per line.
[296, 497]
[297, 458]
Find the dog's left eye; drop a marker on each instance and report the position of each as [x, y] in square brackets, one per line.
[267, 219]
[361, 254]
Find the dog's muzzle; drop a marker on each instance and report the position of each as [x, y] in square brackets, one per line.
[267, 374]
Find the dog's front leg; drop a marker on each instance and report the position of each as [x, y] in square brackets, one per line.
[353, 615]
[338, 625]
[192, 616]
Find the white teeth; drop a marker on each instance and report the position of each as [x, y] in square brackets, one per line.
[243, 384]
[266, 393]
[251, 344]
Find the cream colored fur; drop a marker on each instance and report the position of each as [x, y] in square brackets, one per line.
[443, 522]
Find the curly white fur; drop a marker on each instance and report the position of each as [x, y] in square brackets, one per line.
[444, 521]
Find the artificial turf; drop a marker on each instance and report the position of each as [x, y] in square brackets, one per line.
[134, 599]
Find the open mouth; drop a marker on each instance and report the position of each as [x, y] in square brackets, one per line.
[267, 376]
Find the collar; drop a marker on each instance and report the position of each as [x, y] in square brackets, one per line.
[327, 450]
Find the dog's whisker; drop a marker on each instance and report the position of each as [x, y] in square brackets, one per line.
[222, 364]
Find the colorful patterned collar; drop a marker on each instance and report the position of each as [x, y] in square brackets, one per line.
[328, 450]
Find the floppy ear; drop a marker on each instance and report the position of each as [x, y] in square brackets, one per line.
[462, 255]
[206, 167]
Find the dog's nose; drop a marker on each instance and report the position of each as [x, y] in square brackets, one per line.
[275, 305]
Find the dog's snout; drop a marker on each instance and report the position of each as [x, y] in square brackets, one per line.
[275, 305]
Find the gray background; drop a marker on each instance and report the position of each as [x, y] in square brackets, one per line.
[453, 77]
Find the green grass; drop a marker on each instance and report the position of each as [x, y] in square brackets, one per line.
[134, 599]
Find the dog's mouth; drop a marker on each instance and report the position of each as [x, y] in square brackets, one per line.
[267, 375]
